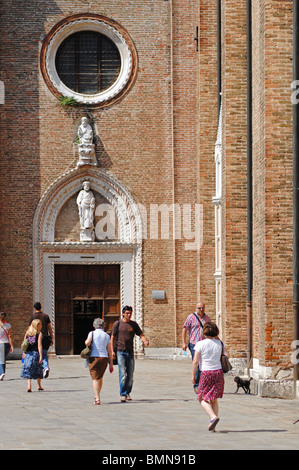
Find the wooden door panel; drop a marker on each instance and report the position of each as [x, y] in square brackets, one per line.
[96, 274]
[111, 273]
[112, 290]
[78, 289]
[82, 293]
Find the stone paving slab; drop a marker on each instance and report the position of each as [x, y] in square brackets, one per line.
[163, 416]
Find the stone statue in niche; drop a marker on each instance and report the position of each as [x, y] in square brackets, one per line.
[86, 146]
[86, 207]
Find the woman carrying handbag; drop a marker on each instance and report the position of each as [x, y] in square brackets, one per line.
[211, 384]
[100, 356]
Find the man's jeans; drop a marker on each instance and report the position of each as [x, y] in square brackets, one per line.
[45, 362]
[126, 364]
[197, 375]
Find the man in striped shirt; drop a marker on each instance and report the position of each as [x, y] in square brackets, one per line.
[193, 326]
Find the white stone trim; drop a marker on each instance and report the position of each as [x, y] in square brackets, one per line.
[96, 26]
[127, 252]
[217, 201]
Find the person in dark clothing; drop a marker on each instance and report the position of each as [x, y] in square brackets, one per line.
[123, 333]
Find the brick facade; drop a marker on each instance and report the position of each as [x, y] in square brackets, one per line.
[158, 141]
[273, 315]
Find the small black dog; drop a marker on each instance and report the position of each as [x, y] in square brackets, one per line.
[245, 384]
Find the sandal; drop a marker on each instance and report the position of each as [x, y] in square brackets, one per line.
[213, 423]
[97, 402]
[40, 389]
[29, 390]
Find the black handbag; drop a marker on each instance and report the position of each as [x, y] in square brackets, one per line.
[225, 364]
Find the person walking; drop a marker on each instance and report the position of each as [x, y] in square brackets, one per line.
[193, 327]
[211, 383]
[6, 343]
[47, 332]
[100, 356]
[122, 335]
[32, 367]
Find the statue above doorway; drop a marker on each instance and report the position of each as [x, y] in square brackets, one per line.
[85, 145]
[86, 207]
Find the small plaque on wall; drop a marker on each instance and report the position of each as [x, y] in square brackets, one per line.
[158, 294]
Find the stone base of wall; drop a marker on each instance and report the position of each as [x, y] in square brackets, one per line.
[276, 389]
[273, 382]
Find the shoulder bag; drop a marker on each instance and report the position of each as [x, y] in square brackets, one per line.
[225, 364]
[85, 353]
[24, 345]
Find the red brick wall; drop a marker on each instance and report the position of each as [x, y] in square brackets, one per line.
[207, 134]
[234, 241]
[273, 316]
[148, 141]
[159, 142]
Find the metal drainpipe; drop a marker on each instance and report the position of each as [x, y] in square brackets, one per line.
[296, 181]
[249, 183]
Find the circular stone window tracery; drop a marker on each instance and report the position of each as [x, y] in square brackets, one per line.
[89, 58]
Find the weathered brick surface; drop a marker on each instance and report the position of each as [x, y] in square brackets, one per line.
[159, 142]
[273, 316]
[234, 262]
[148, 141]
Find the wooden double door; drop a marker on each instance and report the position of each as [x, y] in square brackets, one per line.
[83, 293]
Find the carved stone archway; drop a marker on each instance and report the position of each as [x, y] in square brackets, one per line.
[126, 251]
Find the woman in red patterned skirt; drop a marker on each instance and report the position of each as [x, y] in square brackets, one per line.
[211, 384]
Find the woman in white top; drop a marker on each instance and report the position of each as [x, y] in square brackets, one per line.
[100, 356]
[6, 345]
[211, 384]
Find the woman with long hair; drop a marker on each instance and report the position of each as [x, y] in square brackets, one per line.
[32, 367]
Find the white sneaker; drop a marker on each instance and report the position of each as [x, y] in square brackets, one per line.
[2, 377]
[122, 398]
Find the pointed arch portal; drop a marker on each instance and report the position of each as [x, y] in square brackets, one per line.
[125, 252]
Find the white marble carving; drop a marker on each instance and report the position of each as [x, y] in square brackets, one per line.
[127, 251]
[86, 207]
[86, 146]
